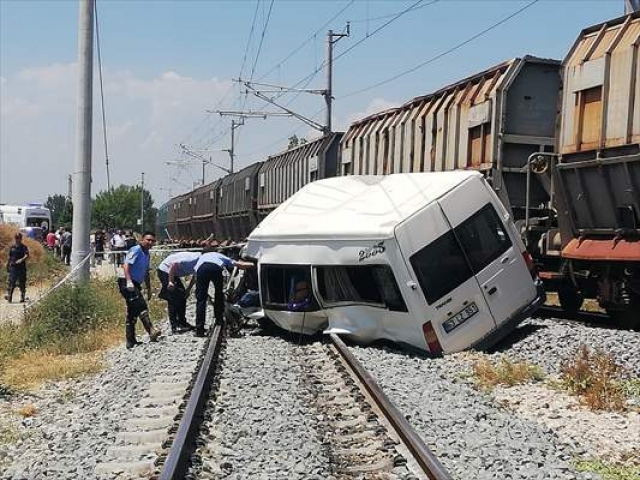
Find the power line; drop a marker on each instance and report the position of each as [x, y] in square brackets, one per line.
[395, 17]
[310, 38]
[381, 27]
[382, 17]
[246, 48]
[446, 52]
[264, 31]
[104, 120]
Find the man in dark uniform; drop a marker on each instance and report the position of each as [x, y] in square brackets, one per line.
[17, 268]
[135, 268]
[180, 264]
[209, 270]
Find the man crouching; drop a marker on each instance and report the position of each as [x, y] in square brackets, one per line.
[135, 268]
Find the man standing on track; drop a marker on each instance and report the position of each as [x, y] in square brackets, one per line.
[17, 268]
[209, 269]
[170, 270]
[135, 268]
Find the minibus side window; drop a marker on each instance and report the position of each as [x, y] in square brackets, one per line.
[287, 288]
[483, 237]
[370, 284]
[440, 267]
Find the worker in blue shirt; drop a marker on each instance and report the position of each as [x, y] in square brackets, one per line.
[135, 268]
[172, 289]
[209, 269]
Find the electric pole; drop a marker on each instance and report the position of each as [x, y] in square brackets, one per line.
[82, 183]
[332, 39]
[142, 203]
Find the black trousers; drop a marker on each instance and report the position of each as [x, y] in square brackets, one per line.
[208, 272]
[176, 299]
[135, 301]
[17, 277]
[66, 255]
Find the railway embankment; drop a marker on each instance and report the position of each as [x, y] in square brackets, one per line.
[535, 429]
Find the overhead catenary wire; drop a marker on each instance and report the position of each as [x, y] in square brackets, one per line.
[104, 120]
[227, 130]
[396, 16]
[444, 53]
[382, 17]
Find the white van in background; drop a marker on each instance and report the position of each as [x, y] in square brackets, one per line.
[22, 216]
[427, 259]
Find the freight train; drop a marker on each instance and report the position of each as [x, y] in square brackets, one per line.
[558, 142]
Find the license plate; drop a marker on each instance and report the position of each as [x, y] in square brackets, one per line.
[460, 317]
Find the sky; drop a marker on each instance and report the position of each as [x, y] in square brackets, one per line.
[167, 65]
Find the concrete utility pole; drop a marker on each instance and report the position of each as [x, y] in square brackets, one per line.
[332, 39]
[81, 194]
[142, 204]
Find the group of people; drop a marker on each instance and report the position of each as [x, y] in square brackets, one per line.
[204, 268]
[60, 242]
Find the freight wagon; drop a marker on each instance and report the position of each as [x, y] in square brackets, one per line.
[597, 171]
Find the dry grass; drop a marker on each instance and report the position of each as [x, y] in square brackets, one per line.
[595, 378]
[33, 368]
[609, 471]
[62, 337]
[8, 434]
[28, 410]
[488, 374]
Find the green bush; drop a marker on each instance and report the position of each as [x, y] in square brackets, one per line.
[69, 312]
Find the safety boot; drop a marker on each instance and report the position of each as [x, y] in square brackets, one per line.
[130, 333]
[9, 295]
[154, 333]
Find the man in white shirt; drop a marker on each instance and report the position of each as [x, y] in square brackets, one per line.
[176, 265]
[118, 244]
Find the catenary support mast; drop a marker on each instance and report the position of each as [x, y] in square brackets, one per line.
[81, 194]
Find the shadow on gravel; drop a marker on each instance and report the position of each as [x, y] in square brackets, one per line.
[5, 392]
[520, 333]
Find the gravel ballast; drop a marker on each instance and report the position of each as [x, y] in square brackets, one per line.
[259, 427]
[471, 433]
[77, 420]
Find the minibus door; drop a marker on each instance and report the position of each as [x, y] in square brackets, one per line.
[445, 293]
[494, 258]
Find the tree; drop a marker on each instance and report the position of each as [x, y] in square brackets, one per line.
[120, 208]
[295, 141]
[61, 210]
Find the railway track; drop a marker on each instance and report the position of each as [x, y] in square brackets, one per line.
[359, 433]
[596, 318]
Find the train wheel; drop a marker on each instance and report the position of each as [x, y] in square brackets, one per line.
[570, 298]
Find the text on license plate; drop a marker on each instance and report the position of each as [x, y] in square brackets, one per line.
[460, 317]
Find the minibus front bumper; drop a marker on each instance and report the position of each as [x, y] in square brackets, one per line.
[509, 325]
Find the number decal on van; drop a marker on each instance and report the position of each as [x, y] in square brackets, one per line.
[371, 251]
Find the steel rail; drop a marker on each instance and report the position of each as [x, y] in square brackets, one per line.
[177, 463]
[547, 311]
[425, 458]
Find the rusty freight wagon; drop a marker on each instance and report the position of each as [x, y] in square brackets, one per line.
[204, 207]
[491, 122]
[283, 174]
[236, 213]
[597, 170]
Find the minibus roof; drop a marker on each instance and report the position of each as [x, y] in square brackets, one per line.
[356, 207]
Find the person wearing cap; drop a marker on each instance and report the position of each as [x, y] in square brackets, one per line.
[172, 268]
[135, 268]
[17, 268]
[208, 269]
